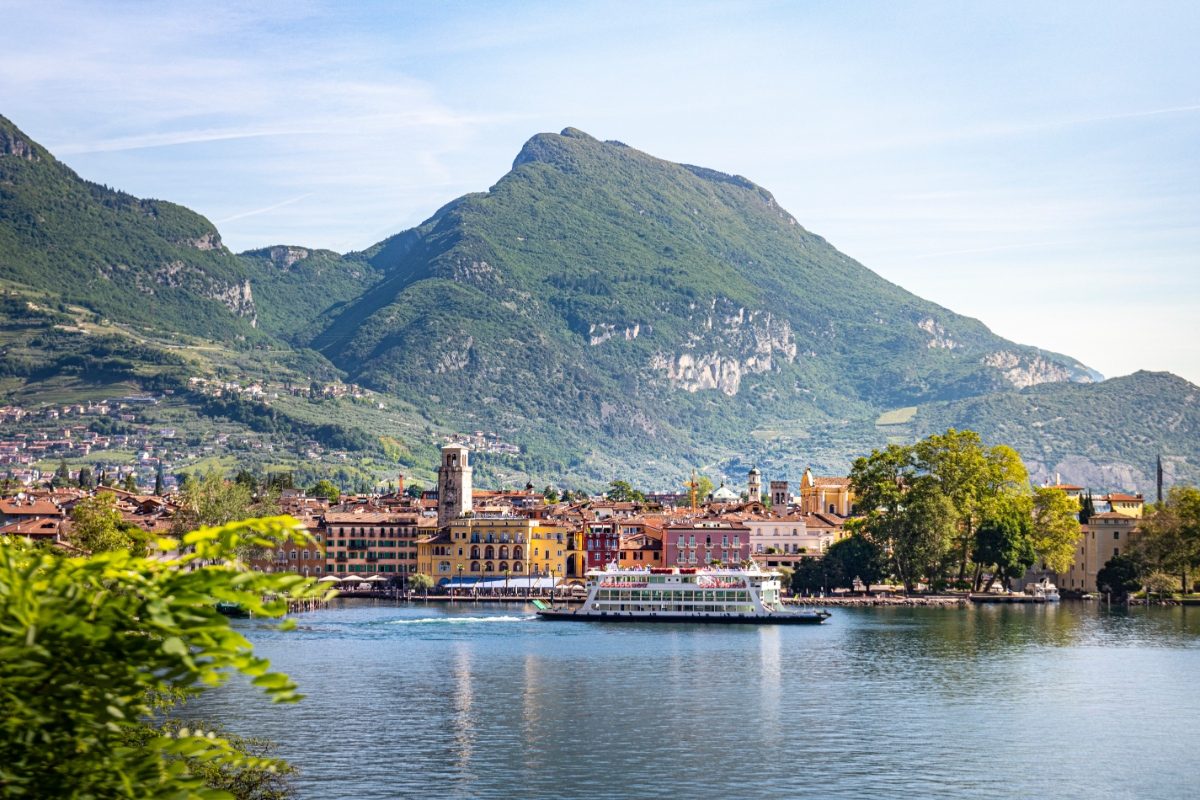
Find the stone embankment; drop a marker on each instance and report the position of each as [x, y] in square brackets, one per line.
[881, 600]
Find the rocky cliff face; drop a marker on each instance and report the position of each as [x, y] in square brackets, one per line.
[13, 144]
[1025, 370]
[728, 343]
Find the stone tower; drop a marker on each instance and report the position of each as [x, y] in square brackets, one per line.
[754, 485]
[780, 496]
[454, 483]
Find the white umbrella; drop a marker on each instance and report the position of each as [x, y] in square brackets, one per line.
[329, 579]
[375, 579]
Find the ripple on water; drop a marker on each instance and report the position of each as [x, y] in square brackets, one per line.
[488, 701]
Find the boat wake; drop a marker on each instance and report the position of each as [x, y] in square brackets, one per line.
[459, 620]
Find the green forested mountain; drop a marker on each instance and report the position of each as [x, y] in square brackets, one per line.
[1105, 434]
[146, 262]
[612, 313]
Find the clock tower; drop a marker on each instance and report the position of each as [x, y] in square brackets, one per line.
[454, 484]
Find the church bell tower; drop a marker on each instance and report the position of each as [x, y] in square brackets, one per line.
[454, 484]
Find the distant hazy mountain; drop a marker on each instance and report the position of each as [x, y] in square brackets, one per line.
[613, 313]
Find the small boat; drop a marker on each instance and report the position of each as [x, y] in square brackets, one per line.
[1043, 589]
[747, 595]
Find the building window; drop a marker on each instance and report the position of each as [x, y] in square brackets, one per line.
[1116, 535]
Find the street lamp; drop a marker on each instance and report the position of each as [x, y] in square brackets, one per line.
[458, 588]
[506, 571]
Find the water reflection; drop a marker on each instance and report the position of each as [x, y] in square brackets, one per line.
[489, 702]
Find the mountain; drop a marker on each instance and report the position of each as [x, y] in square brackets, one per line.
[609, 313]
[1106, 434]
[92, 246]
[653, 305]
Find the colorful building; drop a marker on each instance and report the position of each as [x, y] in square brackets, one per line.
[826, 495]
[495, 546]
[705, 541]
[368, 542]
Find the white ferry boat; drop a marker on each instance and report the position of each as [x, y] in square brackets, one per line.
[684, 594]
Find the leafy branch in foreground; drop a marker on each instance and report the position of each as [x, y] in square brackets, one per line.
[90, 646]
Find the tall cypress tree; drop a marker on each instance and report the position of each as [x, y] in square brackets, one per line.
[1086, 508]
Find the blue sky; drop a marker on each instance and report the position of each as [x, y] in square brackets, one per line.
[1033, 165]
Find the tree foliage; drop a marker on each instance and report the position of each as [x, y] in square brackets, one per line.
[1003, 542]
[420, 582]
[1171, 535]
[211, 500]
[1119, 576]
[924, 502]
[855, 557]
[623, 492]
[325, 489]
[90, 646]
[97, 526]
[1055, 530]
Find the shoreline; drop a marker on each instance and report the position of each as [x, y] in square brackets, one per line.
[940, 601]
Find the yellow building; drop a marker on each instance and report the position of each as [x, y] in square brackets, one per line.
[493, 546]
[823, 495]
[1105, 536]
[1131, 505]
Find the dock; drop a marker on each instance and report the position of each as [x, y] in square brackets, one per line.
[1010, 599]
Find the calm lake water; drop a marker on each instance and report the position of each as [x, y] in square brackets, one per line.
[488, 701]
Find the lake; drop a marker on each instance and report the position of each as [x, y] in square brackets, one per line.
[437, 700]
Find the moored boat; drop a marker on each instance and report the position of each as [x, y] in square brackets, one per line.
[685, 594]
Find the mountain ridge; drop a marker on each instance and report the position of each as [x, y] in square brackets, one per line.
[595, 302]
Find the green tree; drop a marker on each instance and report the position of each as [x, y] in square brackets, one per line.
[62, 475]
[93, 647]
[905, 513]
[551, 494]
[130, 483]
[623, 492]
[1055, 530]
[280, 480]
[1086, 508]
[1003, 541]
[414, 490]
[420, 582]
[86, 479]
[1119, 576]
[326, 489]
[812, 575]
[1171, 535]
[158, 483]
[211, 500]
[246, 478]
[97, 526]
[856, 557]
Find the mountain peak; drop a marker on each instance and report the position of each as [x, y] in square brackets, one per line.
[553, 148]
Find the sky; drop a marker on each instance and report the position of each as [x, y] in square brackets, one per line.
[1034, 165]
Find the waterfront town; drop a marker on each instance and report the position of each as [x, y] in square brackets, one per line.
[496, 543]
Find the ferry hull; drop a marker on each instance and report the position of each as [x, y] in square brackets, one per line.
[732, 619]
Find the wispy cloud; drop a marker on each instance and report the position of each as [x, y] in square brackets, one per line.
[255, 212]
